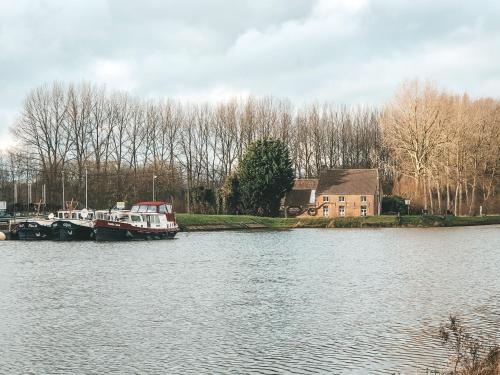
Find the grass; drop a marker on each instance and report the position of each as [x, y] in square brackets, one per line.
[192, 222]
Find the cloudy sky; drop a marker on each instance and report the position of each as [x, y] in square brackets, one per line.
[345, 51]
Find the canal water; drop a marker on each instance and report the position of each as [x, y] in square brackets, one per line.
[299, 301]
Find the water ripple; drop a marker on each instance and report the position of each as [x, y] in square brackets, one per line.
[297, 302]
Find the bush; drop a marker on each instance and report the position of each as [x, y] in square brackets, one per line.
[469, 356]
[392, 204]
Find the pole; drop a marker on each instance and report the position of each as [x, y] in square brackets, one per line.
[15, 198]
[154, 177]
[27, 187]
[86, 189]
[63, 200]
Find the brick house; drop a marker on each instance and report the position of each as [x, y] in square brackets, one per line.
[337, 193]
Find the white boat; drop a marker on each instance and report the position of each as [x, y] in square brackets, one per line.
[145, 220]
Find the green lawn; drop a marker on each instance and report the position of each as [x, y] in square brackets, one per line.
[219, 222]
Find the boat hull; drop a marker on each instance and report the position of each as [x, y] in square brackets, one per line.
[33, 231]
[68, 231]
[112, 231]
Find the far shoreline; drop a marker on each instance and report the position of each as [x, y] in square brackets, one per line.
[212, 223]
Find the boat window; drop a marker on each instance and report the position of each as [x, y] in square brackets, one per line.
[169, 208]
[151, 208]
[135, 218]
[134, 209]
[143, 209]
[163, 209]
[157, 220]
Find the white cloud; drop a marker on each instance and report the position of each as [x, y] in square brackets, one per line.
[346, 51]
[114, 73]
[6, 140]
[328, 7]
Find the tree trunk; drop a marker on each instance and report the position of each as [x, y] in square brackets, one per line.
[438, 190]
[425, 193]
[447, 196]
[431, 201]
[460, 199]
[472, 209]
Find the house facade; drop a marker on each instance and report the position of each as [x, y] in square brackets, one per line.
[337, 193]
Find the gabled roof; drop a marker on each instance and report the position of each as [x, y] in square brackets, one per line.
[301, 192]
[348, 181]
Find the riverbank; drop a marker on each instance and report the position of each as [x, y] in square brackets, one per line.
[198, 222]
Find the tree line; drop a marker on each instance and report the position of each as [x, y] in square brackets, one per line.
[439, 149]
[444, 148]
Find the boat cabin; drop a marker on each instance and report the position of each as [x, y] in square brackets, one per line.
[141, 220]
[75, 215]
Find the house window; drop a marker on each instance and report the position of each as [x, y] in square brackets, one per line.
[341, 211]
[326, 198]
[363, 211]
[363, 199]
[341, 198]
[326, 211]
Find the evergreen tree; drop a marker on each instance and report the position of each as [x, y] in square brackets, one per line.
[265, 175]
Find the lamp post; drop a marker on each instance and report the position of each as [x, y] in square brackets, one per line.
[86, 189]
[154, 178]
[63, 200]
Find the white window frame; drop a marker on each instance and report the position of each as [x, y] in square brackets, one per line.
[326, 211]
[326, 198]
[363, 199]
[342, 211]
[341, 198]
[363, 208]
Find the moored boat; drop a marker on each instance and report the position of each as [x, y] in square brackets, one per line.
[75, 225]
[145, 221]
[35, 229]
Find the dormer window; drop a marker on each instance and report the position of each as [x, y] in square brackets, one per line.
[363, 199]
[341, 198]
[326, 198]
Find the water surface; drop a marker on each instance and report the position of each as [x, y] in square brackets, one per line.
[300, 301]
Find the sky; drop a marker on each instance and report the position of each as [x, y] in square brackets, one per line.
[341, 51]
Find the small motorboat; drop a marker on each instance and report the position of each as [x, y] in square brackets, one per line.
[144, 221]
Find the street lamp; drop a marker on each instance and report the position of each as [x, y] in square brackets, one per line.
[63, 200]
[86, 189]
[154, 178]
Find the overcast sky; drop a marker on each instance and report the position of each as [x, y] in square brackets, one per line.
[345, 51]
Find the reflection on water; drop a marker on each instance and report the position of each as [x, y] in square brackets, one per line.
[301, 301]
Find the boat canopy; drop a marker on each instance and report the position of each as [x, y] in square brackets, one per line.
[152, 207]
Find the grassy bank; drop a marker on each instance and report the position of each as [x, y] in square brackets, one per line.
[194, 222]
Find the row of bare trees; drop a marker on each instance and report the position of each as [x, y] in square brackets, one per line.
[444, 148]
[439, 149]
[120, 142]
